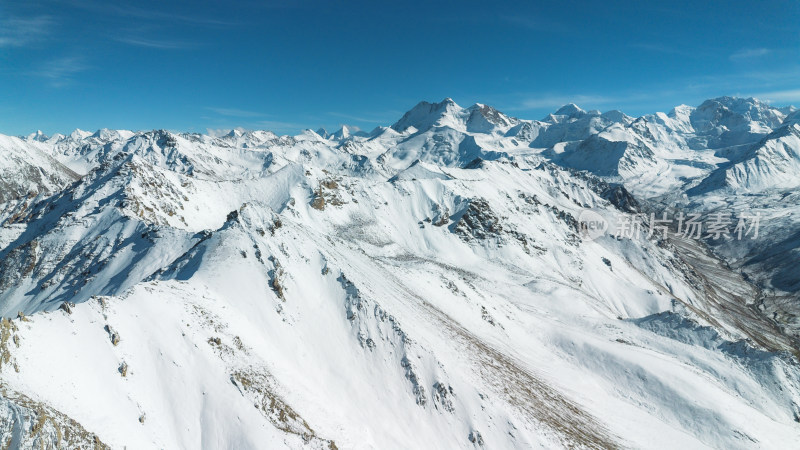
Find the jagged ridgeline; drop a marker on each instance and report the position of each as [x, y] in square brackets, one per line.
[422, 285]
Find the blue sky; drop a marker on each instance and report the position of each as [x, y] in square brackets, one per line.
[288, 65]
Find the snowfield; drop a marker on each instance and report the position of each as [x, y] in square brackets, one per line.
[424, 285]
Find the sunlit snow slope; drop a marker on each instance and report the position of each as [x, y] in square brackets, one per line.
[424, 285]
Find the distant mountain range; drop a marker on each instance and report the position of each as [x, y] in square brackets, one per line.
[423, 285]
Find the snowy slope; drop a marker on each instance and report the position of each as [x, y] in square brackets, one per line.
[27, 170]
[771, 164]
[728, 121]
[424, 285]
[612, 152]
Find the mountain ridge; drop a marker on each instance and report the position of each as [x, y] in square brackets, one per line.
[428, 283]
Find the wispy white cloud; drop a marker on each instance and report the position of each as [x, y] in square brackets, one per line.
[750, 53]
[776, 86]
[22, 31]
[668, 49]
[781, 96]
[658, 48]
[218, 132]
[171, 17]
[234, 112]
[360, 118]
[60, 72]
[276, 127]
[149, 14]
[153, 27]
[280, 127]
[533, 23]
[243, 119]
[551, 101]
[155, 43]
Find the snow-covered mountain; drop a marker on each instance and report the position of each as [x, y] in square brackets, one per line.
[423, 285]
[773, 163]
[27, 169]
[614, 151]
[729, 121]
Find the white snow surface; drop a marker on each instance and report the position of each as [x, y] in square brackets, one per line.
[419, 286]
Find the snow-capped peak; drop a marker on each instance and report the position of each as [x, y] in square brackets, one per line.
[347, 131]
[430, 287]
[425, 115]
[79, 134]
[38, 136]
[107, 135]
[570, 110]
[733, 112]
[485, 118]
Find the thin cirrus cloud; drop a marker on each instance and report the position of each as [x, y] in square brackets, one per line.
[152, 15]
[539, 102]
[534, 23]
[782, 96]
[252, 120]
[360, 118]
[149, 14]
[60, 72]
[750, 53]
[158, 44]
[266, 125]
[669, 49]
[234, 112]
[279, 127]
[22, 31]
